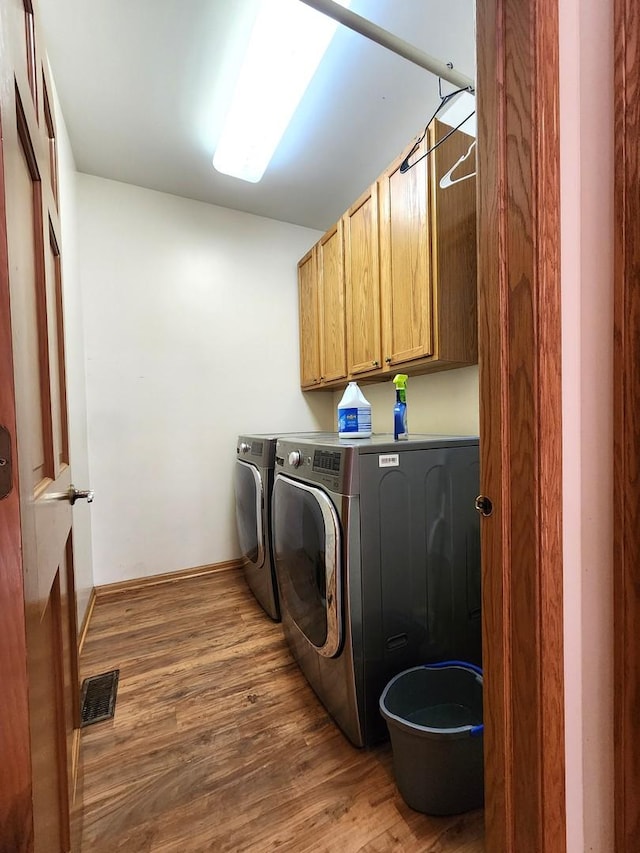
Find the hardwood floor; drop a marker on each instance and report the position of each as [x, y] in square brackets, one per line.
[219, 744]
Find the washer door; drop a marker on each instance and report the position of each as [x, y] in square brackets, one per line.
[306, 539]
[249, 512]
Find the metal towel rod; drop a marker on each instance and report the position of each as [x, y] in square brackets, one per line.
[393, 43]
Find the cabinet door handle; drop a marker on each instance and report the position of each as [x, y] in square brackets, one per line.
[388, 360]
[375, 364]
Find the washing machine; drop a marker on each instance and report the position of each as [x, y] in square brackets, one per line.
[377, 555]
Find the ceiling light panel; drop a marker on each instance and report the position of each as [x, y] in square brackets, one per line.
[287, 42]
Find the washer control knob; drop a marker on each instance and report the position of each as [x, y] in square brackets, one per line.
[295, 458]
[244, 447]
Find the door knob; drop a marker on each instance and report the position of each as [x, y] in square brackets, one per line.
[72, 495]
[483, 505]
[76, 494]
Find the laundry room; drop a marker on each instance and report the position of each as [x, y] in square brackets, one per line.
[212, 325]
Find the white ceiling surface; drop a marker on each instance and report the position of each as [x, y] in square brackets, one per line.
[144, 85]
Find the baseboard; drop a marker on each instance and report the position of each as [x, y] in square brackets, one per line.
[86, 619]
[121, 587]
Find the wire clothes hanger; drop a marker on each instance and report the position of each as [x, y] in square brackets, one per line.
[447, 180]
[444, 100]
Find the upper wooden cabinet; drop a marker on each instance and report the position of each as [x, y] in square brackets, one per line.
[405, 261]
[309, 320]
[428, 257]
[407, 298]
[453, 243]
[323, 353]
[362, 278]
[333, 348]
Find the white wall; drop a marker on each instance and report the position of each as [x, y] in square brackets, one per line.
[75, 364]
[586, 162]
[191, 324]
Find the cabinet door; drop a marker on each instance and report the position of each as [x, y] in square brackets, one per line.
[405, 262]
[333, 345]
[454, 252]
[362, 283]
[309, 320]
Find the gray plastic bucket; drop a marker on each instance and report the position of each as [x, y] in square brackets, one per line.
[434, 716]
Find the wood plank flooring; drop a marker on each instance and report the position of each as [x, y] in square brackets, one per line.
[219, 744]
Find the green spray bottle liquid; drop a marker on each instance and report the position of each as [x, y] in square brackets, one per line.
[400, 429]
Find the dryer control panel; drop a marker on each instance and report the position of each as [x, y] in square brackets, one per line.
[259, 450]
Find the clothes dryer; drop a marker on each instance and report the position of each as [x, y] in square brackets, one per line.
[377, 554]
[253, 483]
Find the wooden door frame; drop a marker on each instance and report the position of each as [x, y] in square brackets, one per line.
[626, 500]
[520, 423]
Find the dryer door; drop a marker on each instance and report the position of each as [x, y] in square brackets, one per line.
[306, 539]
[250, 512]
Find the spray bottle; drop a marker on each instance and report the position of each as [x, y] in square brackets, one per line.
[400, 429]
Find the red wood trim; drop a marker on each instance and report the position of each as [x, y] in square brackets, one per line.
[57, 643]
[490, 185]
[51, 138]
[25, 141]
[71, 621]
[30, 44]
[546, 342]
[520, 388]
[16, 816]
[626, 490]
[58, 311]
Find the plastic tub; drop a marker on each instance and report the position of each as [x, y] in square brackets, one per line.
[434, 716]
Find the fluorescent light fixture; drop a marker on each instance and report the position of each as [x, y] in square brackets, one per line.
[285, 48]
[457, 110]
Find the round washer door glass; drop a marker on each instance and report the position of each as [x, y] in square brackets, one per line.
[306, 540]
[249, 511]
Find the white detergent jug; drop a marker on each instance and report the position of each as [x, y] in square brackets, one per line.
[354, 413]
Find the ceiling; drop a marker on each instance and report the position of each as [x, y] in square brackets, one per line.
[144, 85]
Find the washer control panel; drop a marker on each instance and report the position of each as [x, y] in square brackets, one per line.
[327, 461]
[313, 464]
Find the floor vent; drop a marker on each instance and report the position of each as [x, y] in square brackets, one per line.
[99, 697]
